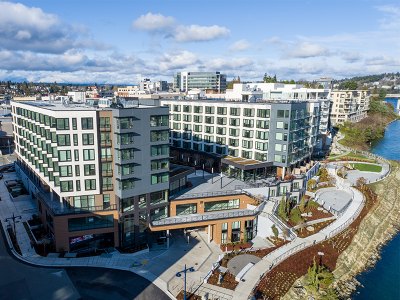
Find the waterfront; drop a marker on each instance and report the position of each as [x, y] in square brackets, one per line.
[381, 282]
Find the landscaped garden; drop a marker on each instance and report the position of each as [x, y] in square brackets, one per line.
[352, 156]
[313, 229]
[279, 280]
[228, 280]
[367, 167]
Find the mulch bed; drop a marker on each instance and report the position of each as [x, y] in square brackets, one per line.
[189, 296]
[14, 240]
[317, 228]
[34, 222]
[228, 281]
[316, 215]
[278, 281]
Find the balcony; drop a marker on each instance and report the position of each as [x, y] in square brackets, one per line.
[105, 128]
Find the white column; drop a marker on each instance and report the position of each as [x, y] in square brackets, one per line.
[283, 172]
[167, 238]
[209, 233]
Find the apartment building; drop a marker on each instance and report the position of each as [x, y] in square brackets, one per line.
[211, 82]
[99, 175]
[349, 105]
[245, 140]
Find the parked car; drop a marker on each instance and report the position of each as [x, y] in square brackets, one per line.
[1, 176]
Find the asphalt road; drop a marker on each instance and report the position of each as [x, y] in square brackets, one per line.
[20, 281]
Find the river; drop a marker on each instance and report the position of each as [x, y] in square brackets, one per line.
[382, 281]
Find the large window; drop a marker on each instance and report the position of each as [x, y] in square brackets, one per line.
[90, 184]
[64, 155]
[157, 136]
[126, 184]
[159, 121]
[63, 140]
[234, 132]
[263, 113]
[92, 222]
[235, 111]
[262, 124]
[107, 184]
[88, 154]
[185, 209]
[248, 112]
[67, 186]
[159, 213]
[65, 171]
[105, 153]
[87, 123]
[221, 205]
[106, 168]
[159, 150]
[125, 123]
[84, 203]
[159, 178]
[62, 124]
[125, 154]
[262, 146]
[128, 204]
[221, 110]
[158, 197]
[87, 139]
[159, 164]
[262, 135]
[126, 169]
[105, 122]
[90, 170]
[105, 138]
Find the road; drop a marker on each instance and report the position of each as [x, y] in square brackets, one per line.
[20, 281]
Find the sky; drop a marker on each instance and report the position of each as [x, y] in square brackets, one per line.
[120, 42]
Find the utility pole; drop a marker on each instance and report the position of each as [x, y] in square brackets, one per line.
[13, 218]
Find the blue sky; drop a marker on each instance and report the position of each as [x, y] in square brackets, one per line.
[122, 41]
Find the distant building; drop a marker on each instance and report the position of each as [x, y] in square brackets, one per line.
[77, 96]
[27, 98]
[211, 82]
[327, 83]
[349, 106]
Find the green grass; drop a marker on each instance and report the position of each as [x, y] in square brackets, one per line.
[353, 155]
[366, 167]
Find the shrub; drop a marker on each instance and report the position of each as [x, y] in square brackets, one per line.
[313, 204]
[35, 217]
[275, 231]
[296, 216]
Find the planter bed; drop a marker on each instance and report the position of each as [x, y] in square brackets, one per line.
[14, 240]
[234, 246]
[189, 296]
[228, 282]
[316, 215]
[317, 228]
[33, 223]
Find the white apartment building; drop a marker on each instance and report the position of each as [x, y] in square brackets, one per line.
[349, 105]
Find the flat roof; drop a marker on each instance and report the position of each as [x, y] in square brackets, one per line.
[260, 101]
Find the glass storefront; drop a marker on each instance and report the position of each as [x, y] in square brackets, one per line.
[246, 175]
[91, 242]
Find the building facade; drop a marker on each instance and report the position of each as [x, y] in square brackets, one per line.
[211, 82]
[349, 106]
[100, 176]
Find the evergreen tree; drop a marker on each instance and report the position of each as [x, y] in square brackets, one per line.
[282, 208]
[303, 203]
[288, 206]
[382, 94]
[274, 230]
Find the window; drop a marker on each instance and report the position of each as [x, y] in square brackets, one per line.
[64, 155]
[235, 111]
[106, 153]
[261, 156]
[125, 154]
[262, 135]
[263, 113]
[234, 142]
[77, 170]
[106, 201]
[159, 150]
[209, 129]
[234, 122]
[78, 185]
[92, 222]
[187, 118]
[158, 197]
[248, 123]
[278, 147]
[159, 178]
[209, 120]
[90, 184]
[248, 112]
[159, 213]
[126, 184]
[221, 205]
[106, 168]
[67, 186]
[90, 170]
[279, 136]
[197, 128]
[187, 127]
[248, 133]
[65, 171]
[233, 132]
[88, 154]
[187, 108]
[176, 117]
[107, 183]
[221, 130]
[105, 138]
[262, 146]
[208, 148]
[74, 127]
[272, 193]
[220, 150]
[76, 154]
[295, 185]
[280, 114]
[187, 136]
[247, 144]
[221, 140]
[236, 225]
[185, 209]
[161, 135]
[105, 122]
[177, 126]
[125, 139]
[159, 121]
[63, 140]
[208, 138]
[221, 121]
[277, 158]
[88, 139]
[197, 119]
[126, 169]
[177, 108]
[221, 110]
[62, 124]
[279, 125]
[198, 109]
[247, 154]
[75, 140]
[262, 124]
[87, 123]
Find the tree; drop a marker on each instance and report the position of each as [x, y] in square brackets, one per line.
[275, 231]
[45, 241]
[234, 80]
[320, 86]
[311, 184]
[365, 88]
[361, 181]
[282, 208]
[382, 94]
[245, 237]
[303, 203]
[292, 82]
[285, 233]
[288, 206]
[350, 85]
[302, 225]
[115, 88]
[331, 180]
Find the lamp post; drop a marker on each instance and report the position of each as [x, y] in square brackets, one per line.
[179, 275]
[203, 171]
[9, 147]
[13, 218]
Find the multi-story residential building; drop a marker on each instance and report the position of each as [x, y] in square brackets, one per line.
[349, 105]
[327, 83]
[211, 82]
[246, 140]
[99, 175]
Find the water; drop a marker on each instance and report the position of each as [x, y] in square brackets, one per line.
[382, 281]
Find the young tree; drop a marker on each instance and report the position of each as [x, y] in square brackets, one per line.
[361, 181]
[282, 208]
[245, 237]
[302, 225]
[285, 234]
[382, 94]
[288, 206]
[303, 203]
[275, 231]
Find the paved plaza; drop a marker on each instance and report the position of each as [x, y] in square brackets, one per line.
[335, 199]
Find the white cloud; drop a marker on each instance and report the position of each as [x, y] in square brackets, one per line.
[274, 40]
[392, 20]
[170, 28]
[351, 57]
[177, 60]
[305, 50]
[153, 22]
[307, 68]
[30, 29]
[383, 60]
[224, 64]
[240, 46]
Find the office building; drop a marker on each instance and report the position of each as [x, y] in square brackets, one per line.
[211, 82]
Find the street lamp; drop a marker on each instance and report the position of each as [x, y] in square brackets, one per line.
[9, 147]
[13, 218]
[179, 275]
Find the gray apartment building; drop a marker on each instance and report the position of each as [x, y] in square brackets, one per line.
[211, 82]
